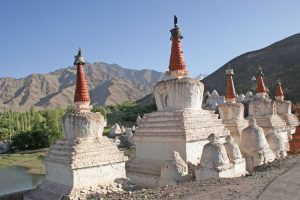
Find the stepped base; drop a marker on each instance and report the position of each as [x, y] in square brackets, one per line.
[150, 173]
[235, 128]
[74, 165]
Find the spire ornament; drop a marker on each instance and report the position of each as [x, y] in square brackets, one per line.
[82, 96]
[230, 89]
[260, 85]
[278, 92]
[177, 66]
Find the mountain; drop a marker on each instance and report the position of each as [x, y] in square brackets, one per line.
[280, 60]
[108, 84]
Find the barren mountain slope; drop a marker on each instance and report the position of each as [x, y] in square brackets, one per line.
[280, 60]
[108, 84]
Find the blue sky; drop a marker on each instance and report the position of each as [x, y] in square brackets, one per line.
[39, 36]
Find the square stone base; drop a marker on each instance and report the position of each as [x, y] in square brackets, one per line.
[206, 173]
[150, 181]
[63, 183]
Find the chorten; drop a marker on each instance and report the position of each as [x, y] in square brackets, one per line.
[220, 160]
[179, 125]
[263, 109]
[231, 112]
[255, 147]
[284, 109]
[84, 159]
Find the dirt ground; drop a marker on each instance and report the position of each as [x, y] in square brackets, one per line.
[249, 187]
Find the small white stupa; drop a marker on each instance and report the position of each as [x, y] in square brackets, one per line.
[284, 109]
[255, 147]
[83, 159]
[214, 161]
[231, 112]
[263, 109]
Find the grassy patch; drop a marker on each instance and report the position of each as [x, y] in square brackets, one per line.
[32, 160]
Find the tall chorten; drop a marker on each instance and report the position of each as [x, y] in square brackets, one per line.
[284, 109]
[264, 110]
[179, 127]
[83, 160]
[231, 112]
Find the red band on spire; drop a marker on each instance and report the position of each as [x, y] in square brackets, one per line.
[260, 84]
[81, 92]
[177, 61]
[278, 92]
[230, 90]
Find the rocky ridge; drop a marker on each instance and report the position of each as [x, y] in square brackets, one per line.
[108, 84]
[280, 60]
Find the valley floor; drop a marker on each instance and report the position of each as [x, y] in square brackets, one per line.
[32, 160]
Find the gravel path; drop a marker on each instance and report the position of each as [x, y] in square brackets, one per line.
[265, 180]
[286, 186]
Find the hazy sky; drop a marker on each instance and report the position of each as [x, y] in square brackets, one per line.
[39, 36]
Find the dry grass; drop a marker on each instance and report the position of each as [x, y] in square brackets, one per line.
[33, 161]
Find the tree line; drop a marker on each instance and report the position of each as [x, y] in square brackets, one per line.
[36, 129]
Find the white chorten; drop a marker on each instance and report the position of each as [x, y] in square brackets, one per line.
[83, 159]
[255, 147]
[179, 125]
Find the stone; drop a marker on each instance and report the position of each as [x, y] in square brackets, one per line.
[4, 146]
[213, 100]
[235, 157]
[241, 98]
[248, 97]
[254, 146]
[122, 129]
[128, 132]
[133, 128]
[174, 170]
[115, 131]
[138, 120]
[214, 161]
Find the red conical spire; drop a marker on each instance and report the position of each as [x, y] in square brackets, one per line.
[81, 92]
[82, 96]
[260, 85]
[279, 93]
[177, 67]
[230, 90]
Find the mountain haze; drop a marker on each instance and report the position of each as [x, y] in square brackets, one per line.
[280, 60]
[108, 84]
